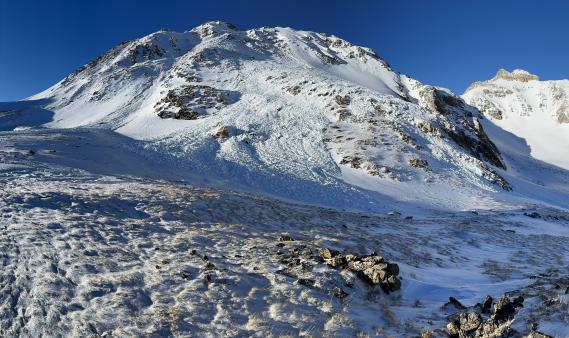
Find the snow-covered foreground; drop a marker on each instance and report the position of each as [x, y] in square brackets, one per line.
[105, 253]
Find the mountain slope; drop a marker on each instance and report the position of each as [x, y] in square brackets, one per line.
[295, 114]
[298, 114]
[537, 111]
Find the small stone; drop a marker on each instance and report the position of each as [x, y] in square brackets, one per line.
[470, 321]
[339, 293]
[285, 238]
[306, 282]
[328, 253]
[487, 304]
[533, 214]
[454, 302]
[393, 213]
[222, 133]
[336, 261]
[209, 266]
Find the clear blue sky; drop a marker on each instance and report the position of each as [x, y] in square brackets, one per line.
[447, 43]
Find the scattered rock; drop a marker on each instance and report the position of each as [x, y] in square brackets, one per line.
[339, 293]
[192, 101]
[354, 161]
[342, 100]
[471, 323]
[454, 302]
[285, 238]
[419, 163]
[306, 282]
[222, 133]
[532, 214]
[372, 269]
[487, 304]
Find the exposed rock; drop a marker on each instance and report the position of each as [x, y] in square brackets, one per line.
[339, 293]
[354, 161]
[372, 269]
[222, 133]
[454, 302]
[419, 163]
[145, 52]
[342, 100]
[537, 334]
[532, 214]
[505, 308]
[285, 238]
[487, 304]
[517, 75]
[191, 101]
[471, 323]
[306, 282]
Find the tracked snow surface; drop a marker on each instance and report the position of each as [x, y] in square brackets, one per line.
[271, 182]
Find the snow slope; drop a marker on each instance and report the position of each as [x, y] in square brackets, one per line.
[307, 116]
[537, 111]
[102, 249]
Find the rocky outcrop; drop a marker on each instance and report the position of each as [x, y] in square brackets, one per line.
[461, 125]
[372, 269]
[472, 324]
[192, 101]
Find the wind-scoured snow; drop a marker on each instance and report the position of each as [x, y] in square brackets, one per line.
[104, 249]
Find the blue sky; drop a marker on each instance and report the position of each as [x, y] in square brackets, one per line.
[447, 43]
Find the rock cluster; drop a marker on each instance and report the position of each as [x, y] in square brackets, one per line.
[191, 101]
[471, 323]
[145, 52]
[372, 269]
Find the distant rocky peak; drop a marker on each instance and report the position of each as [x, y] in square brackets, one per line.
[516, 75]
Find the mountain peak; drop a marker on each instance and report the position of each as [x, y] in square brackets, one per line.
[516, 75]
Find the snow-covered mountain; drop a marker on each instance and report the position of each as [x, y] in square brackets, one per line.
[266, 107]
[535, 110]
[135, 199]
[300, 115]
